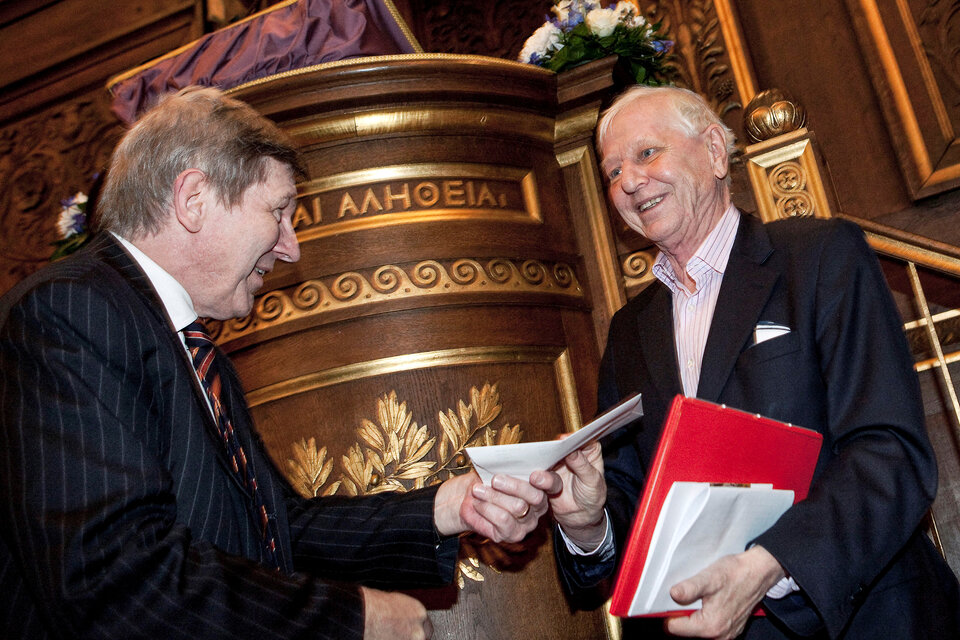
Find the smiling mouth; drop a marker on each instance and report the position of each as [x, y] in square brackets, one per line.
[650, 203]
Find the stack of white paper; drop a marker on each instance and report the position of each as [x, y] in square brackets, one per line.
[698, 524]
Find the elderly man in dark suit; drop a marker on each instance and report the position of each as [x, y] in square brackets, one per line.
[850, 561]
[136, 501]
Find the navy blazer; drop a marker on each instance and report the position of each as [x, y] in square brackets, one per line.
[120, 517]
[844, 369]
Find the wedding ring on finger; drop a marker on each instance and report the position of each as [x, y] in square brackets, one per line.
[524, 514]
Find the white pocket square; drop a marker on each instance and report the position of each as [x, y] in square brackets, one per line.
[766, 330]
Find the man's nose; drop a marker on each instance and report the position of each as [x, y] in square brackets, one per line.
[287, 247]
[632, 177]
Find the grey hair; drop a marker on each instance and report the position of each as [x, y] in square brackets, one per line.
[194, 128]
[692, 111]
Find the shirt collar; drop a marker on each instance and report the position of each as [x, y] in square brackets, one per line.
[176, 301]
[713, 254]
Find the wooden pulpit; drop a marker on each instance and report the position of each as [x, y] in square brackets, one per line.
[453, 290]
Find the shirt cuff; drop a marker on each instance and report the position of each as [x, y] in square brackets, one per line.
[603, 551]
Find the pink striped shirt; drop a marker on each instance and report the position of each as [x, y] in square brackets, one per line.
[693, 310]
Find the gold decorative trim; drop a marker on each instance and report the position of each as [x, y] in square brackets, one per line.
[389, 454]
[786, 177]
[898, 89]
[355, 290]
[604, 247]
[456, 120]
[404, 27]
[913, 253]
[736, 50]
[400, 57]
[575, 123]
[771, 113]
[559, 357]
[570, 405]
[910, 247]
[425, 172]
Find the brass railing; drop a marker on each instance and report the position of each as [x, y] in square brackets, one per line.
[916, 251]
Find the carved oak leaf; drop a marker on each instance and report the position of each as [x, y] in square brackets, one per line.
[509, 435]
[309, 469]
[486, 403]
[468, 569]
[454, 429]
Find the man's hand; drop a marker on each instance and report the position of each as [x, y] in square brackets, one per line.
[730, 588]
[505, 512]
[577, 501]
[393, 616]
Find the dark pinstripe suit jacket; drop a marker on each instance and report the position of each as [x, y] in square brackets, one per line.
[119, 516]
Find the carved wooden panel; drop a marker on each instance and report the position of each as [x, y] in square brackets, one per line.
[56, 128]
[911, 46]
[44, 159]
[73, 46]
[496, 28]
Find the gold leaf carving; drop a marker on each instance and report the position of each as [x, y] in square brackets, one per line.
[309, 469]
[396, 454]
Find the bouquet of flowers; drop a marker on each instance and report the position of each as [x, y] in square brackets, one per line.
[583, 30]
[72, 225]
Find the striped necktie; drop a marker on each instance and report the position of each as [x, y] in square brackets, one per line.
[207, 364]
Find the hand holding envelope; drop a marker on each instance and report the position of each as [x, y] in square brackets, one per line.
[522, 459]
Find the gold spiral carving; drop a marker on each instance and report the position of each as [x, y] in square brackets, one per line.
[354, 290]
[637, 268]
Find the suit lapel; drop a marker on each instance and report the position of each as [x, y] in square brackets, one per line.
[113, 254]
[747, 284]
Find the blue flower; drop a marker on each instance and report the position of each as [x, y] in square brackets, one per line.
[73, 216]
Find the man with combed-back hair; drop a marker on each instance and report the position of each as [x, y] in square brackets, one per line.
[136, 500]
[851, 560]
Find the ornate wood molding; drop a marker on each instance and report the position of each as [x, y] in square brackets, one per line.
[454, 280]
[916, 73]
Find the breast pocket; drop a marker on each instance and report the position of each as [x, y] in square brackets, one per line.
[769, 349]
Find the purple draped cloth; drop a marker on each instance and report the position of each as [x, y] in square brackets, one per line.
[292, 36]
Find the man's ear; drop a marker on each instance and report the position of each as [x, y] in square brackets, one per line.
[717, 146]
[190, 197]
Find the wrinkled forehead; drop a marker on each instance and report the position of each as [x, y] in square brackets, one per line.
[642, 124]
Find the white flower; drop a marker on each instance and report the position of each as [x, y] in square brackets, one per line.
[629, 15]
[562, 10]
[602, 21]
[543, 40]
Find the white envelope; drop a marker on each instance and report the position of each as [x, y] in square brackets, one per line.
[521, 459]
